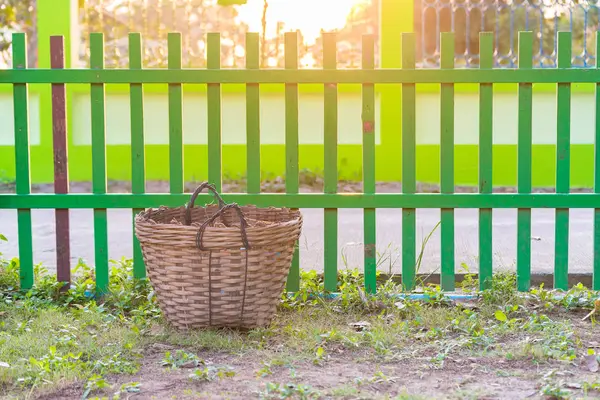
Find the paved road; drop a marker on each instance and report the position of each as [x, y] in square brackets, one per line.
[389, 228]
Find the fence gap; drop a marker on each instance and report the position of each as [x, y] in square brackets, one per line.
[525, 101]
[22, 162]
[253, 117]
[214, 112]
[486, 126]
[409, 173]
[99, 163]
[61, 170]
[447, 163]
[330, 223]
[138, 156]
[175, 116]
[368, 122]
[291, 144]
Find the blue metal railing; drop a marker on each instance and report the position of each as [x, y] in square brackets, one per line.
[505, 18]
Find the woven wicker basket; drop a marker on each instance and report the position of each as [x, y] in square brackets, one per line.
[218, 266]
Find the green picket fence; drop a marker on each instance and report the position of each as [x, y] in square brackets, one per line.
[409, 200]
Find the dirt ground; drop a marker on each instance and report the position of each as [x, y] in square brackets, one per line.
[346, 377]
[355, 374]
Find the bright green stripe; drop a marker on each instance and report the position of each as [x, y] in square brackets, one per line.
[563, 161]
[330, 226]
[214, 112]
[408, 164]
[23, 177]
[291, 144]
[138, 168]
[596, 281]
[486, 112]
[253, 117]
[309, 200]
[368, 120]
[202, 76]
[524, 164]
[175, 118]
[447, 162]
[99, 164]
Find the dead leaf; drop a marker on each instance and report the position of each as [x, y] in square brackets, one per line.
[468, 304]
[573, 385]
[190, 364]
[591, 362]
[360, 326]
[594, 311]
[593, 345]
[363, 297]
[161, 346]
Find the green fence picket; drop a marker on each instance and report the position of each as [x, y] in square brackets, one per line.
[563, 165]
[138, 163]
[596, 276]
[291, 144]
[368, 122]
[175, 117]
[409, 167]
[330, 223]
[22, 166]
[447, 163]
[252, 116]
[486, 125]
[525, 100]
[99, 163]
[214, 112]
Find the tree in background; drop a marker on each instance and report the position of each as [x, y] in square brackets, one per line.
[17, 16]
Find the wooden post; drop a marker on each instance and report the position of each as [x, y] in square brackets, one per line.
[61, 172]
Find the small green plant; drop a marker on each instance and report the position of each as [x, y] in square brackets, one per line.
[180, 359]
[288, 391]
[319, 356]
[40, 369]
[94, 384]
[470, 282]
[266, 370]
[130, 387]
[211, 373]
[554, 391]
[380, 377]
[588, 387]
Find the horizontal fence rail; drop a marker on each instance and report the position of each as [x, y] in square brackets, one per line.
[330, 200]
[379, 76]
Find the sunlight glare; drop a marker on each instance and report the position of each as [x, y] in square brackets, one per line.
[309, 16]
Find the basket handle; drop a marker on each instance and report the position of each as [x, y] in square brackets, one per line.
[243, 225]
[199, 189]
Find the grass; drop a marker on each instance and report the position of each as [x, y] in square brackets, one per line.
[50, 340]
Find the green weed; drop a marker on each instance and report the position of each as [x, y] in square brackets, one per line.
[180, 359]
[288, 391]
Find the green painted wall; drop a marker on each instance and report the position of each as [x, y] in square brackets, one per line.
[58, 17]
